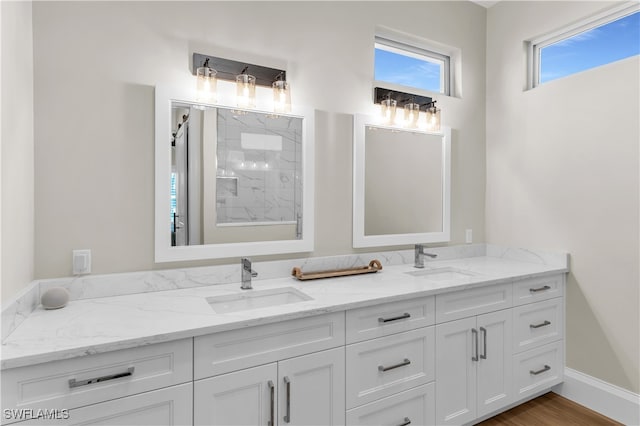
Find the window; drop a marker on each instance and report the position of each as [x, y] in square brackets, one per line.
[588, 44]
[410, 66]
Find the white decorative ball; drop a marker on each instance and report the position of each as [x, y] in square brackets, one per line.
[55, 298]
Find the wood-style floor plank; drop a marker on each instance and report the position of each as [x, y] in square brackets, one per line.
[550, 410]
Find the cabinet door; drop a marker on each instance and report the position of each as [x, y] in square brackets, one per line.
[456, 372]
[494, 370]
[240, 398]
[311, 389]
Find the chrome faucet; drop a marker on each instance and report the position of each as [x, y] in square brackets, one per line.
[420, 254]
[247, 273]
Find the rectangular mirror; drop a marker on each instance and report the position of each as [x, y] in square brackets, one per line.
[230, 182]
[401, 192]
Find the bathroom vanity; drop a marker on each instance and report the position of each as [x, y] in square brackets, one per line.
[449, 344]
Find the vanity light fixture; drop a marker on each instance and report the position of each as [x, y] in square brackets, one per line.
[227, 69]
[388, 110]
[411, 114]
[245, 89]
[433, 117]
[206, 83]
[389, 100]
[281, 95]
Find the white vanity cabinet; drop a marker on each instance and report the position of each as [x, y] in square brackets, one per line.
[390, 376]
[474, 367]
[452, 358]
[490, 354]
[301, 383]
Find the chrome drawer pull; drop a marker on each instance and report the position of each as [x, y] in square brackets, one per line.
[272, 402]
[407, 422]
[484, 333]
[542, 324]
[74, 384]
[474, 339]
[287, 417]
[535, 290]
[382, 368]
[535, 373]
[403, 316]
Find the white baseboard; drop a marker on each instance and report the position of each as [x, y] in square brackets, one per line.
[607, 399]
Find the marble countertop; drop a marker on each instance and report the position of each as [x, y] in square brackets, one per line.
[104, 324]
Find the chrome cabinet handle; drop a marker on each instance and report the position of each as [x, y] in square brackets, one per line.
[382, 368]
[535, 290]
[287, 417]
[272, 402]
[407, 422]
[542, 370]
[484, 343]
[74, 384]
[542, 324]
[474, 338]
[403, 316]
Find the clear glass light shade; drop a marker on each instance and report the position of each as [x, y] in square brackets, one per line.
[388, 111]
[411, 114]
[281, 97]
[206, 84]
[433, 119]
[245, 91]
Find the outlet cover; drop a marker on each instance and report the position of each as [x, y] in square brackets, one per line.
[81, 263]
[468, 236]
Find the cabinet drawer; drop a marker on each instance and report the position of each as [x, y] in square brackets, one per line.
[537, 289]
[466, 303]
[388, 318]
[537, 324]
[86, 380]
[170, 406]
[538, 369]
[416, 405]
[384, 366]
[237, 349]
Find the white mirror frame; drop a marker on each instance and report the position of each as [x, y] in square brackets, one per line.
[359, 237]
[164, 252]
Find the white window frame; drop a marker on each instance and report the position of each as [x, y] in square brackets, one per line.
[535, 45]
[416, 52]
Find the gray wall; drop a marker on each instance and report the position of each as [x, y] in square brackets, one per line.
[17, 239]
[562, 172]
[94, 93]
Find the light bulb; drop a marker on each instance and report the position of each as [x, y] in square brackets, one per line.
[206, 84]
[411, 114]
[246, 90]
[388, 111]
[281, 97]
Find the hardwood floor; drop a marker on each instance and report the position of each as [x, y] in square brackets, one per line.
[549, 410]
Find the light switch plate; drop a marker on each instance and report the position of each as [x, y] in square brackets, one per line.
[81, 263]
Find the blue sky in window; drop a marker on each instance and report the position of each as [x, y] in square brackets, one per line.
[407, 71]
[608, 43]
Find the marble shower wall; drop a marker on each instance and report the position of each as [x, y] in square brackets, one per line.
[258, 184]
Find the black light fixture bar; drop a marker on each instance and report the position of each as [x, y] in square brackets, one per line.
[228, 69]
[402, 98]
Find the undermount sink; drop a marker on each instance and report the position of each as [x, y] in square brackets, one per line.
[441, 274]
[256, 299]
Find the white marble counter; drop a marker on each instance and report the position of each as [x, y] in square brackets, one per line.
[88, 326]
